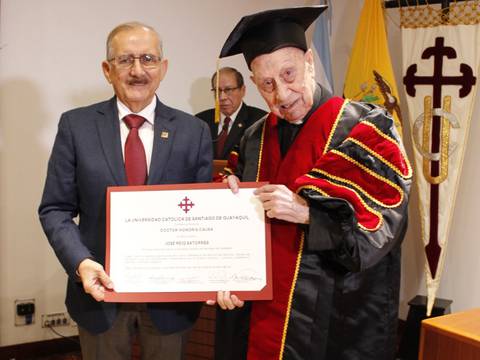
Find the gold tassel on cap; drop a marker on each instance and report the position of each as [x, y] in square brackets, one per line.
[217, 97]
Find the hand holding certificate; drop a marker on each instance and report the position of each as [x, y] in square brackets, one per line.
[186, 242]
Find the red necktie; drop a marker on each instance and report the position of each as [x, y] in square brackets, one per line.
[222, 137]
[135, 160]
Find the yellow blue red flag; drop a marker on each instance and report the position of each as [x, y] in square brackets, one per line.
[370, 76]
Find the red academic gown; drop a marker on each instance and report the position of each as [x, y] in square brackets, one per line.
[336, 280]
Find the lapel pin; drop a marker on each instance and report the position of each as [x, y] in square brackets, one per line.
[240, 125]
[164, 135]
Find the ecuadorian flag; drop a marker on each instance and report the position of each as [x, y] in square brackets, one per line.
[370, 75]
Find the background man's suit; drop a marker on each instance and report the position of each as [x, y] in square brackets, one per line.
[86, 158]
[245, 117]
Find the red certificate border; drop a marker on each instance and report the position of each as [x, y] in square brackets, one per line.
[112, 296]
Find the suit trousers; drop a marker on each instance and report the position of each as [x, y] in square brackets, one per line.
[116, 342]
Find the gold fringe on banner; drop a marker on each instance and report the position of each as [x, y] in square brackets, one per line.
[461, 13]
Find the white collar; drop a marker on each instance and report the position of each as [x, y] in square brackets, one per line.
[148, 112]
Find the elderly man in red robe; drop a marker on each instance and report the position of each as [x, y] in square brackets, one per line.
[338, 193]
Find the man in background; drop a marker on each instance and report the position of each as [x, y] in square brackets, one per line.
[235, 116]
[131, 139]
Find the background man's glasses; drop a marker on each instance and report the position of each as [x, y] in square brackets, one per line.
[148, 61]
[227, 91]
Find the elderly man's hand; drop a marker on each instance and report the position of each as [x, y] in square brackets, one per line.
[281, 203]
[94, 279]
[226, 301]
[233, 183]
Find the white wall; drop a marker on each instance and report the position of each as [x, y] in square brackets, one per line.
[50, 62]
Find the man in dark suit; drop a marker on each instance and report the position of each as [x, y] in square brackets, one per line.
[161, 145]
[235, 117]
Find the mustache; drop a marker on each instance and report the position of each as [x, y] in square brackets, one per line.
[138, 81]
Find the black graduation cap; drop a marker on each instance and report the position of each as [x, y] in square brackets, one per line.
[267, 31]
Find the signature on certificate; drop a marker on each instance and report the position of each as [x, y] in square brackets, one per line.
[241, 276]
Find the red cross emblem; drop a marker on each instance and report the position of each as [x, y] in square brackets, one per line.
[186, 204]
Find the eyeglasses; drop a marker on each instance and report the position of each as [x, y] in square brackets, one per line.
[227, 91]
[148, 61]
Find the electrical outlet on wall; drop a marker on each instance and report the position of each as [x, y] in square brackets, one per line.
[24, 312]
[55, 319]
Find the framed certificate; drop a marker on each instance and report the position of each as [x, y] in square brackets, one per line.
[185, 242]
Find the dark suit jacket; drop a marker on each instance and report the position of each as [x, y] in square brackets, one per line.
[246, 117]
[86, 158]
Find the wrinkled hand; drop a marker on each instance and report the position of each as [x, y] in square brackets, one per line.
[233, 183]
[281, 203]
[94, 279]
[226, 301]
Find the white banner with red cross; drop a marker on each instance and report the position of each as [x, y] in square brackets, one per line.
[440, 77]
